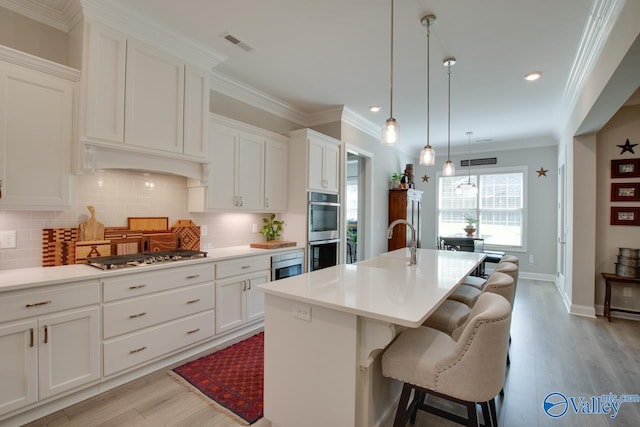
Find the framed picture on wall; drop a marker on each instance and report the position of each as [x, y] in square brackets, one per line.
[625, 216]
[625, 168]
[625, 192]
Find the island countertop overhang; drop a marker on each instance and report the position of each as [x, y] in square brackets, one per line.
[384, 288]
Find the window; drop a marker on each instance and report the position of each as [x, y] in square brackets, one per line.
[498, 205]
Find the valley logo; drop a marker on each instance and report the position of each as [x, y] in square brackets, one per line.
[556, 404]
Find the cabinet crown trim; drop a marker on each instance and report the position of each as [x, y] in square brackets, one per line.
[23, 59]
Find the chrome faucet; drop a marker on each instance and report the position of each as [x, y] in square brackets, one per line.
[412, 245]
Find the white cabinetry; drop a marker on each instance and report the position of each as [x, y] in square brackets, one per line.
[321, 154]
[238, 302]
[153, 314]
[49, 341]
[36, 135]
[248, 169]
[141, 98]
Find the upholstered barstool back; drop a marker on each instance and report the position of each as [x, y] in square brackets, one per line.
[511, 258]
[450, 315]
[511, 269]
[467, 371]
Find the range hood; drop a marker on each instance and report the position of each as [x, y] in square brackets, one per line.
[96, 156]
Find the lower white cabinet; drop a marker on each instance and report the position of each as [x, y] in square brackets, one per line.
[238, 302]
[44, 356]
[149, 315]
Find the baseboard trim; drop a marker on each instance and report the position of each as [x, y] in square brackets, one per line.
[537, 276]
[617, 314]
[583, 310]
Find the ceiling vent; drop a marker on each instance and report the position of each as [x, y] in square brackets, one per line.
[237, 42]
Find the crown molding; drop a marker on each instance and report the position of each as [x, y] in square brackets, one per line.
[359, 122]
[597, 29]
[39, 64]
[249, 95]
[123, 19]
[330, 115]
[42, 12]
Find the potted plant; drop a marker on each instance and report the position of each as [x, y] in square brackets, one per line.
[397, 180]
[272, 228]
[471, 223]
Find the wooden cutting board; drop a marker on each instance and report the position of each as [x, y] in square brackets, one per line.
[274, 244]
[188, 234]
[159, 242]
[91, 229]
[149, 223]
[59, 246]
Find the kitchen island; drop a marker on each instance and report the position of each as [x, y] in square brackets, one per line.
[325, 330]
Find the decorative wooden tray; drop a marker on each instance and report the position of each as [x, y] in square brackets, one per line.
[274, 244]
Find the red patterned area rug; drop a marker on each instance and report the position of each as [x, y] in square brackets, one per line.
[232, 377]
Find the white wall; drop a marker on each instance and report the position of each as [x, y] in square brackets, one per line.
[540, 203]
[624, 125]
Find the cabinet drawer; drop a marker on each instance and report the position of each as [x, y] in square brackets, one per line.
[35, 302]
[131, 285]
[136, 313]
[139, 347]
[242, 266]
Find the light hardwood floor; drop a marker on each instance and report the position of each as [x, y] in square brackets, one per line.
[551, 351]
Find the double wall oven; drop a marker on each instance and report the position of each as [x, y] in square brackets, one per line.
[324, 230]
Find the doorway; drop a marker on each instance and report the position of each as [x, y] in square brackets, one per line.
[355, 207]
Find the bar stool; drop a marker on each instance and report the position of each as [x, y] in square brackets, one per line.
[467, 371]
[450, 315]
[467, 294]
[478, 282]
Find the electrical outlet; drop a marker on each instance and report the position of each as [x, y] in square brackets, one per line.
[254, 228]
[8, 239]
[530, 259]
[204, 230]
[302, 312]
[626, 292]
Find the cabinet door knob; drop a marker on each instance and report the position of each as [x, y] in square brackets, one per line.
[31, 337]
[46, 334]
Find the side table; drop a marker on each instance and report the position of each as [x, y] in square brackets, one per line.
[613, 278]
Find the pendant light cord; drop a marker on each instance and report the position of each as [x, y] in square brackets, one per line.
[449, 116]
[428, 87]
[391, 73]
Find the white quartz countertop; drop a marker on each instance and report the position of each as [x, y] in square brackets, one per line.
[383, 288]
[23, 278]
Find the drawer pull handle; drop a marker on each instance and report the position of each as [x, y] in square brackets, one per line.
[193, 331]
[245, 267]
[193, 301]
[31, 338]
[137, 286]
[46, 334]
[36, 304]
[137, 350]
[195, 276]
[133, 316]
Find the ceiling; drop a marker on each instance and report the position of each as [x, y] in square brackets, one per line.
[317, 55]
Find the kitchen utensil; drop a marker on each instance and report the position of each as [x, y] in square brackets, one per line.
[188, 234]
[91, 229]
[149, 224]
[274, 244]
[58, 246]
[90, 249]
[155, 242]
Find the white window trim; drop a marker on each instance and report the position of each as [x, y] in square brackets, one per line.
[489, 171]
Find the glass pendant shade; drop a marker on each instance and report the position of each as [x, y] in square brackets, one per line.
[448, 169]
[427, 156]
[390, 132]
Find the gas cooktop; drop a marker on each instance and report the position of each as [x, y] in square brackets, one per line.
[144, 258]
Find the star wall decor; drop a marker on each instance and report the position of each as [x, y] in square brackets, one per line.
[627, 147]
[542, 172]
[425, 178]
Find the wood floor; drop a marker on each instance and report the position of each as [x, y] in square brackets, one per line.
[551, 351]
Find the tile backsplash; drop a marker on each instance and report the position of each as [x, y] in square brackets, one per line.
[117, 195]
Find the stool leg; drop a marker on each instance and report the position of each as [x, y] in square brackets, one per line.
[486, 414]
[472, 416]
[400, 419]
[494, 414]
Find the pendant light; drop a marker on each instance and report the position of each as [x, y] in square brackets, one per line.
[391, 130]
[428, 154]
[449, 169]
[467, 188]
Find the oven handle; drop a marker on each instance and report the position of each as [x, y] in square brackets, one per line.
[322, 242]
[324, 204]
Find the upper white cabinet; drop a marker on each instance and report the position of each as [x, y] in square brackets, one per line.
[36, 136]
[321, 154]
[248, 169]
[154, 99]
[141, 98]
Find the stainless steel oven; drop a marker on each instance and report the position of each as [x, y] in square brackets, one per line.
[324, 216]
[287, 265]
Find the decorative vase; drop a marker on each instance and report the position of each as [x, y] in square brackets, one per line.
[470, 230]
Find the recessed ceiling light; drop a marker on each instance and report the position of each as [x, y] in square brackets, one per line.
[533, 76]
[374, 108]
